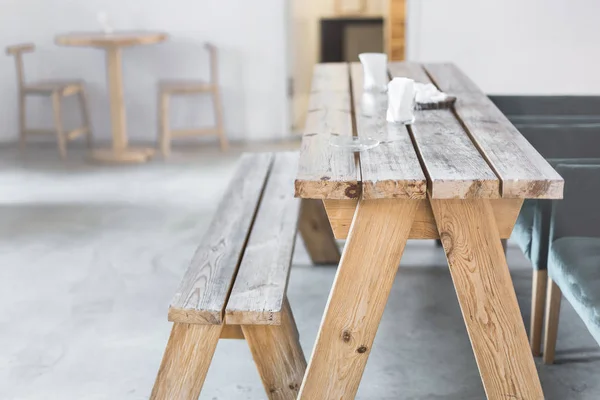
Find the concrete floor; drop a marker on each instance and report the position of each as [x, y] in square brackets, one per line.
[91, 255]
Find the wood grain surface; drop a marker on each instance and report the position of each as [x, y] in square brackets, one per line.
[341, 213]
[326, 171]
[259, 289]
[358, 297]
[392, 169]
[204, 290]
[455, 169]
[186, 360]
[487, 298]
[278, 356]
[523, 171]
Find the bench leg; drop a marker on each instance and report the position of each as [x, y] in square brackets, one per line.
[487, 298]
[317, 233]
[186, 360]
[278, 356]
[358, 297]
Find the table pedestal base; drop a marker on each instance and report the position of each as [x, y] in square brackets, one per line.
[127, 156]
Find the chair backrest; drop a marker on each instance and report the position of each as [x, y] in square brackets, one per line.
[214, 64]
[17, 51]
[578, 213]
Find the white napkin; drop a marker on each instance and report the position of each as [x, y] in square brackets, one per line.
[428, 93]
[401, 99]
[375, 76]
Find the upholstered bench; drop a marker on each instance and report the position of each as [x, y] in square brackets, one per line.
[574, 257]
[235, 286]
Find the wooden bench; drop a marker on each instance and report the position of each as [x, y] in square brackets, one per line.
[236, 284]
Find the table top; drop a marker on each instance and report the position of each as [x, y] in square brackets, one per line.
[470, 151]
[119, 38]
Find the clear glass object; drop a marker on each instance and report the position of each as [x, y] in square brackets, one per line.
[375, 73]
[353, 143]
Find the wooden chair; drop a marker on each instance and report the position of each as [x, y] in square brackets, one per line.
[235, 286]
[169, 88]
[56, 89]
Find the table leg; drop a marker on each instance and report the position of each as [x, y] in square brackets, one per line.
[487, 298]
[316, 233]
[358, 297]
[119, 153]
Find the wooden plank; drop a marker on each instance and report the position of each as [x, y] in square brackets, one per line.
[523, 171]
[341, 213]
[358, 297]
[316, 232]
[259, 289]
[454, 167]
[278, 356]
[186, 360]
[487, 298]
[325, 171]
[392, 169]
[203, 292]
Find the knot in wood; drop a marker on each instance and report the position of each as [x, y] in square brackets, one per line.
[346, 336]
[361, 349]
[352, 191]
[294, 386]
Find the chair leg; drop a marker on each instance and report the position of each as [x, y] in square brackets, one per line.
[163, 117]
[553, 298]
[538, 300]
[186, 360]
[22, 122]
[278, 356]
[58, 124]
[219, 119]
[85, 114]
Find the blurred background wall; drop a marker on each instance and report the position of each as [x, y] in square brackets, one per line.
[251, 36]
[511, 46]
[515, 47]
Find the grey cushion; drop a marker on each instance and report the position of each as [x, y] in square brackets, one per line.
[574, 265]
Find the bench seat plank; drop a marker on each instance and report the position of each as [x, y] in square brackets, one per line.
[324, 171]
[203, 292]
[454, 167]
[259, 290]
[392, 169]
[523, 171]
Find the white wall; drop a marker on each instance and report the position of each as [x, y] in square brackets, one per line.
[251, 36]
[512, 46]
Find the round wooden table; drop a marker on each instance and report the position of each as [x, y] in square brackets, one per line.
[113, 43]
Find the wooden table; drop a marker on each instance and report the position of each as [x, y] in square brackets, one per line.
[460, 175]
[113, 43]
